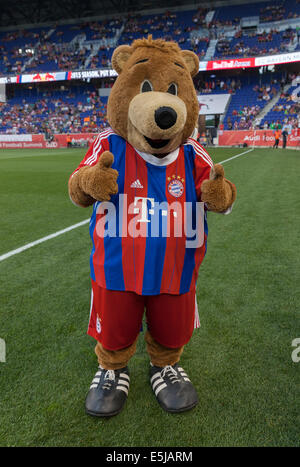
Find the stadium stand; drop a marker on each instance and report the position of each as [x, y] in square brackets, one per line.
[71, 111]
[249, 100]
[285, 111]
[275, 11]
[244, 45]
[90, 44]
[246, 104]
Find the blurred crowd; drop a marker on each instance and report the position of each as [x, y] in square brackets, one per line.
[272, 13]
[167, 24]
[276, 13]
[246, 114]
[288, 108]
[271, 42]
[66, 114]
[229, 85]
[288, 105]
[293, 122]
[266, 92]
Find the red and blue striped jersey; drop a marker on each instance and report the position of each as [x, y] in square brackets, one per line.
[137, 241]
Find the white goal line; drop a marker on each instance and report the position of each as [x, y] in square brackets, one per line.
[79, 224]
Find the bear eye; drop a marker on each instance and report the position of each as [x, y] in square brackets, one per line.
[173, 89]
[146, 86]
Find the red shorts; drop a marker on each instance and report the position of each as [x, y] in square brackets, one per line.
[116, 317]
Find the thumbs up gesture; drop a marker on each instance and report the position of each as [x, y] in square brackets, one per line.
[100, 181]
[217, 192]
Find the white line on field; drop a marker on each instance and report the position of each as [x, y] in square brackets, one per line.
[79, 224]
[237, 155]
[50, 153]
[43, 239]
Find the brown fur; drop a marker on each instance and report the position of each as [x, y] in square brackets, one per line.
[218, 193]
[160, 44]
[114, 359]
[94, 183]
[159, 355]
[77, 195]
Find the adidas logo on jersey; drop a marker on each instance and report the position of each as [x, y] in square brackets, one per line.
[136, 184]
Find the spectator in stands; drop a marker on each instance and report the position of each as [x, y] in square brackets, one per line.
[229, 123]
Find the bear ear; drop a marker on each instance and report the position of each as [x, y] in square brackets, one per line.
[120, 56]
[191, 61]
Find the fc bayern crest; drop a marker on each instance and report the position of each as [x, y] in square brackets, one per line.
[175, 187]
[98, 325]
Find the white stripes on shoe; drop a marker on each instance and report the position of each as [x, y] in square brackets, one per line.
[123, 383]
[183, 374]
[96, 379]
[157, 380]
[157, 383]
[122, 380]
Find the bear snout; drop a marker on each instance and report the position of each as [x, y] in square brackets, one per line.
[165, 117]
[157, 114]
[156, 121]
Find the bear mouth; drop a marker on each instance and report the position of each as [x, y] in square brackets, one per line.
[157, 143]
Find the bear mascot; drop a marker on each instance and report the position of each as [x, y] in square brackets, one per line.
[147, 180]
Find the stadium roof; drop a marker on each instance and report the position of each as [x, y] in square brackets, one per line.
[14, 12]
[31, 12]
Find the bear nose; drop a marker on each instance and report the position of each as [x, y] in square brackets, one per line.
[165, 117]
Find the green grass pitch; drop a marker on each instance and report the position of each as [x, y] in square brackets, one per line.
[248, 294]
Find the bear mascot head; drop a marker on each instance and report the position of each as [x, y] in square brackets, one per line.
[159, 109]
[149, 158]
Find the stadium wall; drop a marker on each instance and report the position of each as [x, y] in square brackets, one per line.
[263, 138]
[255, 137]
[39, 141]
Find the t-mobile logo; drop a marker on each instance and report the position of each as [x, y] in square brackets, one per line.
[144, 210]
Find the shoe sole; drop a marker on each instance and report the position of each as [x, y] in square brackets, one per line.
[102, 415]
[184, 409]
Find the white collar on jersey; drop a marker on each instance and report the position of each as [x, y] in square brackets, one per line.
[168, 159]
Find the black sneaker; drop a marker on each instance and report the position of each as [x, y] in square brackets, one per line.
[108, 392]
[172, 388]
